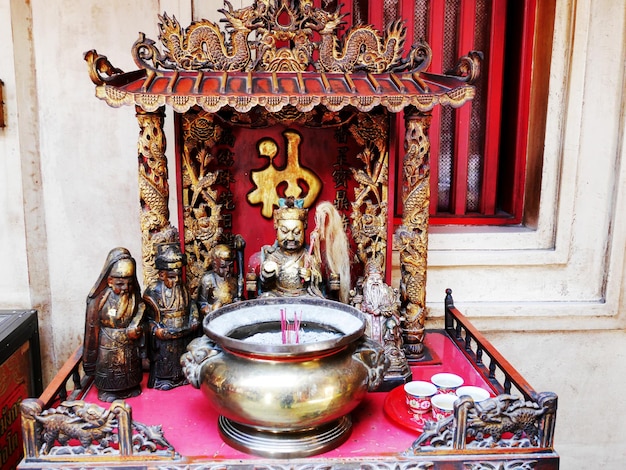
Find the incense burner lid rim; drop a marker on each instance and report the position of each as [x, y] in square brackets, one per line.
[344, 318]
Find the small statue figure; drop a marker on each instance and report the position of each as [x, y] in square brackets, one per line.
[219, 286]
[113, 329]
[380, 302]
[291, 268]
[173, 319]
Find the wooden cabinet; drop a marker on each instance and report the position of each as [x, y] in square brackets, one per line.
[20, 378]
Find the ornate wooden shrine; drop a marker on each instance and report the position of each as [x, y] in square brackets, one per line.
[296, 82]
[282, 103]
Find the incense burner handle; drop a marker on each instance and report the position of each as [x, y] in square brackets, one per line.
[372, 355]
[199, 351]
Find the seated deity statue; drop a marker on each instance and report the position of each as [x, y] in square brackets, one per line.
[291, 268]
[220, 285]
[173, 319]
[113, 329]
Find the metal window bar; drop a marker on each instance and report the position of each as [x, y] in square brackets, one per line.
[464, 143]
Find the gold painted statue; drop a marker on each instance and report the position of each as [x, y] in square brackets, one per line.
[221, 285]
[113, 329]
[173, 319]
[292, 268]
[287, 267]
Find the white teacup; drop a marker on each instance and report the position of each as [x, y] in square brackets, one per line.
[418, 394]
[443, 405]
[446, 382]
[477, 394]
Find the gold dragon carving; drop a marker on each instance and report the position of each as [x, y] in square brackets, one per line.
[153, 190]
[283, 33]
[412, 236]
[202, 45]
[362, 48]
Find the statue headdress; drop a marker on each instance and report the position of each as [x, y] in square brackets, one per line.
[290, 209]
[169, 256]
[119, 263]
[125, 267]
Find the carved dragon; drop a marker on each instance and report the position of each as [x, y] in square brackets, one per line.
[76, 420]
[506, 414]
[94, 427]
[203, 45]
[412, 236]
[489, 423]
[283, 42]
[362, 48]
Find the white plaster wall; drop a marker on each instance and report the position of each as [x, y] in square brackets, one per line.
[14, 291]
[586, 371]
[550, 299]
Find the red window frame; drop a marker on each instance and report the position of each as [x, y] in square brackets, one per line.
[508, 116]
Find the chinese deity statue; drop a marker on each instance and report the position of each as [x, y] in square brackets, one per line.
[113, 329]
[173, 319]
[222, 284]
[292, 268]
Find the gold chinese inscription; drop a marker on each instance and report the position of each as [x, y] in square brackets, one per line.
[301, 182]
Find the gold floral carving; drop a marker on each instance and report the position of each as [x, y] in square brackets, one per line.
[369, 209]
[202, 213]
[412, 236]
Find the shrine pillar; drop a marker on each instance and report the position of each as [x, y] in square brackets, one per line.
[153, 189]
[412, 236]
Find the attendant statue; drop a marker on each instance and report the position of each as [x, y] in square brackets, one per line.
[292, 268]
[173, 320]
[221, 285]
[113, 329]
[380, 303]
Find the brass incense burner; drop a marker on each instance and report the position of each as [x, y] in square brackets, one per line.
[285, 399]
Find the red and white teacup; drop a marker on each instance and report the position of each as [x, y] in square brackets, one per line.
[446, 382]
[443, 405]
[478, 394]
[418, 394]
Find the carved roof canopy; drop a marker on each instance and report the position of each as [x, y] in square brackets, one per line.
[276, 53]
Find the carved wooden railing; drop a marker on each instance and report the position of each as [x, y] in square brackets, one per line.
[68, 383]
[60, 414]
[516, 396]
